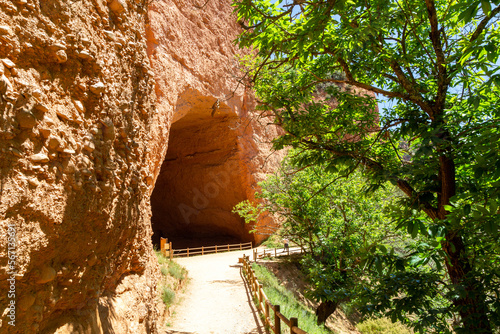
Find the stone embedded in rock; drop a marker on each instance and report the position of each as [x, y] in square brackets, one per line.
[37, 93]
[111, 35]
[97, 88]
[39, 157]
[46, 275]
[85, 41]
[79, 106]
[8, 63]
[89, 147]
[92, 259]
[26, 119]
[85, 55]
[41, 107]
[5, 84]
[61, 56]
[117, 6]
[44, 132]
[26, 301]
[33, 181]
[59, 46]
[49, 121]
[53, 142]
[5, 30]
[63, 115]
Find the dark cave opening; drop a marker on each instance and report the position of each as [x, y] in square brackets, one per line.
[199, 183]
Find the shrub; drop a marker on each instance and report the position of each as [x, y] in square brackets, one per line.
[167, 295]
[164, 271]
[176, 270]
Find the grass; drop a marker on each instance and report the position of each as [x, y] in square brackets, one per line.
[177, 271]
[167, 295]
[289, 305]
[382, 326]
[173, 277]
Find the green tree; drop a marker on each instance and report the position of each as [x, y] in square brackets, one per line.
[333, 219]
[435, 61]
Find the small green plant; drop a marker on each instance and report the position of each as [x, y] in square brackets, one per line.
[382, 326]
[161, 259]
[173, 275]
[167, 295]
[176, 270]
[164, 271]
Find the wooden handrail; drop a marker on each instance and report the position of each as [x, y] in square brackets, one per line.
[211, 249]
[269, 252]
[264, 305]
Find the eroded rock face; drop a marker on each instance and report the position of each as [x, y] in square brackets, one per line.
[88, 95]
[76, 108]
[212, 162]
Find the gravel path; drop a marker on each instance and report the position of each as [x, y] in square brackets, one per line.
[218, 300]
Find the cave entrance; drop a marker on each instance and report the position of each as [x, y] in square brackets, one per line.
[200, 181]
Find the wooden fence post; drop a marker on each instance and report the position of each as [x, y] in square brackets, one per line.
[215, 249]
[266, 312]
[240, 246]
[187, 252]
[261, 297]
[171, 251]
[163, 241]
[202, 250]
[277, 320]
[294, 322]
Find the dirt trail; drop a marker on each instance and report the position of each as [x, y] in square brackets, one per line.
[218, 300]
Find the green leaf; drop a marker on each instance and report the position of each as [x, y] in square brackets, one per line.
[467, 15]
[485, 4]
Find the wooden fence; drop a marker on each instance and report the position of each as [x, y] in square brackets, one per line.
[210, 249]
[265, 306]
[275, 252]
[166, 248]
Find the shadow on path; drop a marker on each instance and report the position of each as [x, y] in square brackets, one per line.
[255, 312]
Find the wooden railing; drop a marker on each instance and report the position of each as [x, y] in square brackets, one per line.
[210, 249]
[265, 306]
[258, 254]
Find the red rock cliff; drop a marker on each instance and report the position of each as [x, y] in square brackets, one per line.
[94, 100]
[217, 149]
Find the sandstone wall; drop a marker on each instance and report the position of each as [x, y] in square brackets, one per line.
[215, 157]
[77, 106]
[88, 93]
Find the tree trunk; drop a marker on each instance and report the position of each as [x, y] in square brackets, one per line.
[472, 305]
[324, 310]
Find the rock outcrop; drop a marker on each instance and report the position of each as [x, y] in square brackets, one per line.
[77, 104]
[218, 149]
[90, 94]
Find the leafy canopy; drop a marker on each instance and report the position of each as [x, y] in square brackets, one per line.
[318, 67]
